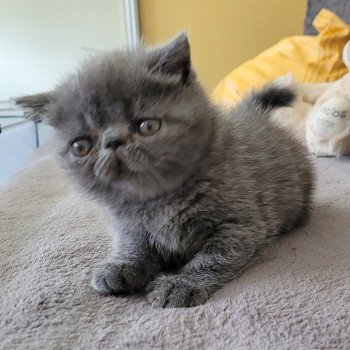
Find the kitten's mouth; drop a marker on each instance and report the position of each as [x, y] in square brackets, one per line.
[118, 160]
[112, 166]
[119, 163]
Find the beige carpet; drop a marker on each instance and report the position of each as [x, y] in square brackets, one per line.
[296, 297]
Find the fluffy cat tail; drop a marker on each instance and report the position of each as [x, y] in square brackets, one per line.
[272, 97]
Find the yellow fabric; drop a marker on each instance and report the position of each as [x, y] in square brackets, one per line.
[311, 59]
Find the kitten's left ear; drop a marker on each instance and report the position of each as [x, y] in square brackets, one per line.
[174, 58]
[35, 106]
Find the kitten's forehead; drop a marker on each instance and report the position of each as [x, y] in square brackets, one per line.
[116, 81]
[116, 87]
[121, 75]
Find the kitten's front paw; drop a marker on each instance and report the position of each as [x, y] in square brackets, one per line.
[172, 291]
[117, 279]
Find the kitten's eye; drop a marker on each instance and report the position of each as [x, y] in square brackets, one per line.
[81, 147]
[148, 127]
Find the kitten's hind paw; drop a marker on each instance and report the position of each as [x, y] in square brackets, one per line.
[118, 278]
[172, 291]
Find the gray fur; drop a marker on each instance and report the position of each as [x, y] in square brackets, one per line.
[192, 204]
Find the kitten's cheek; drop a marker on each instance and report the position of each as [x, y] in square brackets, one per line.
[101, 168]
[78, 161]
[134, 160]
[84, 165]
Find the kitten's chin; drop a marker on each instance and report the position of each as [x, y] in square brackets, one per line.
[128, 184]
[130, 191]
[143, 186]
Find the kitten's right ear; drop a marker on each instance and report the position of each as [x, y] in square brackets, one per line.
[36, 106]
[173, 58]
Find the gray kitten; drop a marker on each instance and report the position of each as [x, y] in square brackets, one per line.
[194, 192]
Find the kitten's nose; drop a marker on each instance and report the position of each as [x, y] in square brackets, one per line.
[113, 144]
[114, 137]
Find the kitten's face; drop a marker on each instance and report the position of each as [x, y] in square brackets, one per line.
[134, 122]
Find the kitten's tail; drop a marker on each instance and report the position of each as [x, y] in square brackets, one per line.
[272, 97]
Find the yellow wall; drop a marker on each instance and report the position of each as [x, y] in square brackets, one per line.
[223, 33]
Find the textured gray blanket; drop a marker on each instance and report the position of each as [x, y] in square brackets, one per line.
[296, 297]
